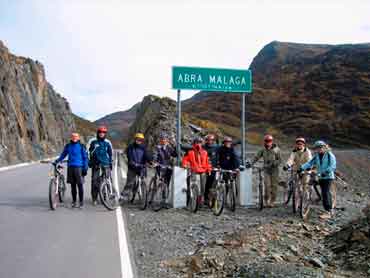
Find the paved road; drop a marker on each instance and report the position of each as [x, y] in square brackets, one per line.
[37, 242]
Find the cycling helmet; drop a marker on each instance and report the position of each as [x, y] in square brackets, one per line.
[300, 139]
[102, 129]
[268, 138]
[227, 139]
[139, 136]
[319, 144]
[197, 140]
[163, 136]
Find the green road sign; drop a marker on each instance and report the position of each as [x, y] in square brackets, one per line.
[208, 79]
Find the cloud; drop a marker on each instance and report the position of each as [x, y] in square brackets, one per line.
[105, 56]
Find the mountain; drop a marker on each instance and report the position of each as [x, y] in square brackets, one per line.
[35, 121]
[85, 128]
[118, 123]
[319, 91]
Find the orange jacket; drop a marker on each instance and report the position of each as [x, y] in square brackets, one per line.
[197, 160]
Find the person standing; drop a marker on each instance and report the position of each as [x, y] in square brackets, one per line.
[101, 155]
[271, 161]
[212, 150]
[300, 155]
[77, 167]
[326, 164]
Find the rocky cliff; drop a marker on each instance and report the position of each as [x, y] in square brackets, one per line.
[315, 90]
[34, 120]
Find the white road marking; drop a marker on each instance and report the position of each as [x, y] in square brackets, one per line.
[126, 267]
[15, 166]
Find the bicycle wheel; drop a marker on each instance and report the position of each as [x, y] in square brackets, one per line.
[62, 189]
[193, 197]
[142, 193]
[108, 195]
[288, 193]
[157, 197]
[152, 189]
[296, 199]
[231, 196]
[133, 191]
[305, 204]
[53, 194]
[218, 199]
[260, 195]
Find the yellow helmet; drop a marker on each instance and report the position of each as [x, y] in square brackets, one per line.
[139, 136]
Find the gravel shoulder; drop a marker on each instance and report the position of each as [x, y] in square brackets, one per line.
[249, 243]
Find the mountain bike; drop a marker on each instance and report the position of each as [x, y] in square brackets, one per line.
[261, 187]
[216, 194]
[139, 189]
[158, 188]
[230, 185]
[306, 196]
[293, 190]
[107, 192]
[193, 192]
[57, 186]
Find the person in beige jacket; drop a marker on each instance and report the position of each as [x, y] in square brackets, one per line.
[271, 161]
[299, 156]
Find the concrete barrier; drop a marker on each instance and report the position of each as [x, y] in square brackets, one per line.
[245, 188]
[178, 188]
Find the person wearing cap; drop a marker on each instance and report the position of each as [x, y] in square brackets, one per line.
[77, 167]
[212, 150]
[101, 154]
[325, 163]
[137, 158]
[299, 156]
[197, 160]
[271, 161]
[163, 155]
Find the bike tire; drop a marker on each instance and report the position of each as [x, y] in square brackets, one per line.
[288, 194]
[62, 189]
[296, 199]
[157, 199]
[305, 205]
[143, 195]
[218, 201]
[108, 195]
[231, 196]
[260, 196]
[151, 190]
[53, 196]
[193, 198]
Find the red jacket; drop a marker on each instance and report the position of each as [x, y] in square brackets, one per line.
[197, 160]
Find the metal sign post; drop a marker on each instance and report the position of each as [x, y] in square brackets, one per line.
[178, 128]
[242, 118]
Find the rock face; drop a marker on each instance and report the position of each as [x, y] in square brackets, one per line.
[34, 120]
[119, 123]
[156, 115]
[315, 90]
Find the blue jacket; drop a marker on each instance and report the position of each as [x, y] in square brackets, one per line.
[163, 155]
[77, 155]
[325, 168]
[136, 154]
[101, 152]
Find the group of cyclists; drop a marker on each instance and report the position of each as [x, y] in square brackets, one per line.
[202, 157]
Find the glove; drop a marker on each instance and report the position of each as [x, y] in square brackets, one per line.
[248, 165]
[285, 168]
[299, 171]
[111, 166]
[54, 163]
[241, 168]
[323, 175]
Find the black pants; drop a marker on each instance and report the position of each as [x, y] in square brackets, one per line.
[209, 183]
[80, 192]
[95, 180]
[327, 201]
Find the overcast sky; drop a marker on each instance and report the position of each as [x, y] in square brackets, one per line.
[105, 55]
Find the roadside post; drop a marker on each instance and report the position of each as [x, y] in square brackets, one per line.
[213, 80]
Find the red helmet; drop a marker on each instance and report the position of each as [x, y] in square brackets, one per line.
[268, 138]
[300, 139]
[227, 139]
[102, 129]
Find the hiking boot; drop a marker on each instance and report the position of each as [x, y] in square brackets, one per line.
[73, 204]
[81, 206]
[325, 215]
[95, 203]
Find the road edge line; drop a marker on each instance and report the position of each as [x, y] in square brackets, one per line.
[126, 265]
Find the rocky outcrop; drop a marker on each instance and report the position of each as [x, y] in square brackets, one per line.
[314, 90]
[34, 120]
